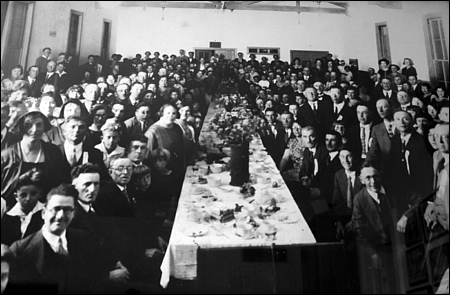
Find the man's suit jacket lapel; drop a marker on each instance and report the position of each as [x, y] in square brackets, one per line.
[373, 215]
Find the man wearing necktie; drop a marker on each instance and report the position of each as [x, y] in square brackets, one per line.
[372, 223]
[113, 198]
[346, 186]
[141, 121]
[409, 175]
[382, 135]
[404, 100]
[359, 136]
[35, 83]
[56, 253]
[270, 134]
[387, 92]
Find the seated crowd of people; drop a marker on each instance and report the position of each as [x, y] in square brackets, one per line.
[94, 156]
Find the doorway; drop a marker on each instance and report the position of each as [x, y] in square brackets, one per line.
[73, 43]
[204, 53]
[383, 46]
[106, 40]
[16, 30]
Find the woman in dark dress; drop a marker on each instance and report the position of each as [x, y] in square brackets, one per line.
[32, 152]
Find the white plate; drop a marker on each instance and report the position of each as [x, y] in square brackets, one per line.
[285, 218]
[196, 230]
[252, 236]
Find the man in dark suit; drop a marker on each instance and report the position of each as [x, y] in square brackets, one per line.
[315, 157]
[315, 113]
[113, 199]
[270, 132]
[88, 71]
[193, 62]
[56, 254]
[8, 138]
[410, 170]
[404, 100]
[333, 141]
[283, 136]
[372, 223]
[381, 136]
[320, 94]
[35, 83]
[76, 151]
[137, 150]
[387, 92]
[50, 76]
[125, 241]
[244, 85]
[141, 121]
[341, 110]
[346, 186]
[359, 136]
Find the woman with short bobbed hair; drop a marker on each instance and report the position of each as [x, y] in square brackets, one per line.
[408, 70]
[384, 70]
[32, 152]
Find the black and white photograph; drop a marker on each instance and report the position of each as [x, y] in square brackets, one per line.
[206, 147]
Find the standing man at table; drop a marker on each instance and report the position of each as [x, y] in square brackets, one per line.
[373, 225]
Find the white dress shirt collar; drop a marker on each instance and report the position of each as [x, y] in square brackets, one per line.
[53, 240]
[351, 175]
[333, 155]
[24, 218]
[311, 103]
[4, 132]
[69, 148]
[405, 138]
[374, 195]
[85, 207]
[121, 187]
[339, 106]
[31, 80]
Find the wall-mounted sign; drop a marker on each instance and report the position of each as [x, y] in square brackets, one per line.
[215, 44]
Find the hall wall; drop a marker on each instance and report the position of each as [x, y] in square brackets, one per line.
[351, 36]
[54, 16]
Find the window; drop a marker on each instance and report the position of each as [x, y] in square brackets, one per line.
[263, 50]
[439, 72]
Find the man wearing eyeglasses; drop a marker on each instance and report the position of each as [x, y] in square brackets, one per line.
[56, 254]
[114, 199]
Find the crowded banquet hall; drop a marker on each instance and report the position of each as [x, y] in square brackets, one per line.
[186, 147]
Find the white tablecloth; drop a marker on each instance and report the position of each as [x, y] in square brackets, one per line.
[180, 260]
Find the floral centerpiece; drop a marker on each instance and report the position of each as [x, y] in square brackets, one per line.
[237, 129]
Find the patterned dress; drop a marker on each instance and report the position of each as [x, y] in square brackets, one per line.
[296, 148]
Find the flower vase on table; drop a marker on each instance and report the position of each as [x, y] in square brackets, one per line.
[239, 164]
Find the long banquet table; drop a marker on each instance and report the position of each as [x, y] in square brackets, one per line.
[180, 260]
